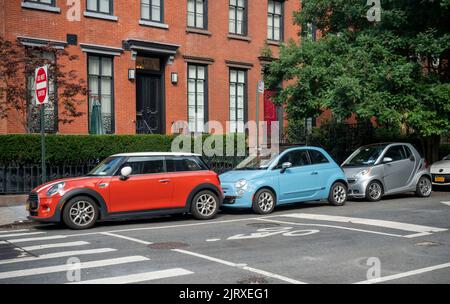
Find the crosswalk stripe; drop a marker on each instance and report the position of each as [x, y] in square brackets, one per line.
[56, 245]
[45, 238]
[67, 267]
[18, 230]
[140, 277]
[57, 255]
[19, 234]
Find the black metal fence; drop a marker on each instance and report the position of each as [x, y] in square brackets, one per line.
[21, 179]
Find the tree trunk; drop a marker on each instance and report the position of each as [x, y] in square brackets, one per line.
[430, 147]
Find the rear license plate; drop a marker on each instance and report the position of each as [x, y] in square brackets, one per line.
[439, 179]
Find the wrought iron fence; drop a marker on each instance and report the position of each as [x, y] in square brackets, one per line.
[21, 179]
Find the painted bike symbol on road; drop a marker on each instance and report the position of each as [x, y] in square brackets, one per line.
[267, 232]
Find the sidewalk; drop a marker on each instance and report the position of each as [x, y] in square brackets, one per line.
[12, 209]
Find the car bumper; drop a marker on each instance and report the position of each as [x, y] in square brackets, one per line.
[357, 188]
[440, 179]
[234, 199]
[43, 209]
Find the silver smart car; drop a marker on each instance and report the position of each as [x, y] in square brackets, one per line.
[387, 168]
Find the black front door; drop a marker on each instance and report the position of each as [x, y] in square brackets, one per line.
[149, 104]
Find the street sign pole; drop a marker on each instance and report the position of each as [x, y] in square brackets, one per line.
[44, 169]
[259, 90]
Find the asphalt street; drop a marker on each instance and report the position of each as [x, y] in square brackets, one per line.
[402, 239]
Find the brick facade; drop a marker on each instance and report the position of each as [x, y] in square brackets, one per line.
[214, 47]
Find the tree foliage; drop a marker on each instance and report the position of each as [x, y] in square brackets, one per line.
[19, 62]
[396, 70]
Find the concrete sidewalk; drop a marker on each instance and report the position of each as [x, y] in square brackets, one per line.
[12, 209]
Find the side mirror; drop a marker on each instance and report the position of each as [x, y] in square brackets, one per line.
[285, 166]
[125, 173]
[387, 160]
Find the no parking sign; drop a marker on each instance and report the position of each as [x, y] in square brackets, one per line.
[41, 85]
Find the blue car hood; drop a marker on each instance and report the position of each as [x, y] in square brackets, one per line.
[235, 175]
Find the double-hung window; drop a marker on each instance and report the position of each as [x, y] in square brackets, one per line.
[152, 10]
[100, 6]
[275, 20]
[197, 97]
[238, 17]
[196, 13]
[238, 100]
[101, 97]
[45, 2]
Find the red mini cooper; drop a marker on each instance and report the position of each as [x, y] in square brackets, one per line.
[130, 185]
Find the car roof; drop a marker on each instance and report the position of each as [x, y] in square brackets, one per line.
[141, 154]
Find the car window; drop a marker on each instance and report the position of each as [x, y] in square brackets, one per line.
[183, 164]
[317, 157]
[396, 153]
[408, 152]
[296, 158]
[145, 165]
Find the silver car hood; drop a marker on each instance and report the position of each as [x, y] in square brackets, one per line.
[443, 164]
[350, 172]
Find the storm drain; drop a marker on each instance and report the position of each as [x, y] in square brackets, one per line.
[253, 280]
[428, 244]
[263, 225]
[168, 245]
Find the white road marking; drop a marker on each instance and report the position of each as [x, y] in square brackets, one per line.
[140, 277]
[19, 234]
[446, 203]
[212, 240]
[127, 238]
[3, 242]
[57, 255]
[331, 226]
[419, 229]
[405, 274]
[45, 238]
[56, 245]
[240, 266]
[10, 231]
[67, 267]
[231, 264]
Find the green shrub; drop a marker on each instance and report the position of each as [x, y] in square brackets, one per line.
[76, 149]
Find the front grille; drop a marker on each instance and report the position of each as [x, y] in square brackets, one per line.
[445, 176]
[351, 180]
[33, 201]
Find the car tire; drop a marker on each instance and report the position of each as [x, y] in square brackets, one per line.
[374, 191]
[264, 201]
[338, 194]
[424, 187]
[205, 205]
[80, 212]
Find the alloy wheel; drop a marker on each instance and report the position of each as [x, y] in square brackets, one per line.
[265, 201]
[339, 194]
[82, 213]
[375, 191]
[206, 204]
[425, 186]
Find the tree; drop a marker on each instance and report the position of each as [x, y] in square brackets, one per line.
[395, 70]
[17, 71]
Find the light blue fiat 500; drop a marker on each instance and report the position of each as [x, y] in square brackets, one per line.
[297, 174]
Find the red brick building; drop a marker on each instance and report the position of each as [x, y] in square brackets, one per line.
[149, 63]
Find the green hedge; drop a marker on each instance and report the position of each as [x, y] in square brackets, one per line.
[75, 149]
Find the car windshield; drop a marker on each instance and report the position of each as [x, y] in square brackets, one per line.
[106, 167]
[365, 156]
[257, 162]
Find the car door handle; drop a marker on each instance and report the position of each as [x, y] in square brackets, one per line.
[164, 181]
[314, 173]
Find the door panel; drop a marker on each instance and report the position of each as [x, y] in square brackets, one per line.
[149, 104]
[141, 192]
[398, 172]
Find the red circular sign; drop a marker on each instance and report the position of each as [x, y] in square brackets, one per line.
[41, 85]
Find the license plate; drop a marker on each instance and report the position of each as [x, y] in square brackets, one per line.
[439, 179]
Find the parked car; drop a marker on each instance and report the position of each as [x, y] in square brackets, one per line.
[129, 185]
[440, 172]
[297, 174]
[387, 168]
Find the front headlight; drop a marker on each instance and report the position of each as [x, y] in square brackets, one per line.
[55, 189]
[241, 184]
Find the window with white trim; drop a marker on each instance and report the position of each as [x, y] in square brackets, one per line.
[196, 13]
[275, 20]
[100, 6]
[197, 97]
[238, 100]
[45, 2]
[238, 17]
